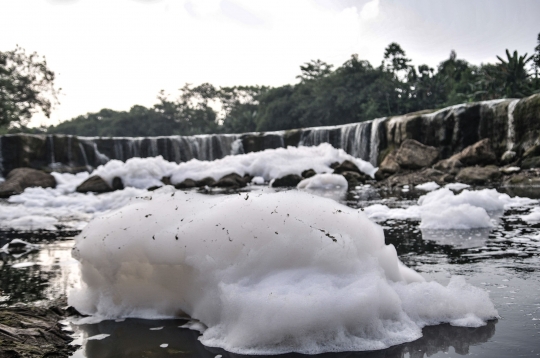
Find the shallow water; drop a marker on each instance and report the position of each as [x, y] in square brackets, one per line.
[504, 260]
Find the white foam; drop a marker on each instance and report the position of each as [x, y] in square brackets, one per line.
[533, 216]
[275, 273]
[268, 164]
[324, 182]
[444, 210]
[49, 209]
[98, 337]
[257, 181]
[430, 186]
[456, 186]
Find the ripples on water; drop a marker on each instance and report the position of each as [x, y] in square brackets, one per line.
[503, 260]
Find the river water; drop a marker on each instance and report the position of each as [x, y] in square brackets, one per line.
[505, 261]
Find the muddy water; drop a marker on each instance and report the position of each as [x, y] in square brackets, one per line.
[504, 260]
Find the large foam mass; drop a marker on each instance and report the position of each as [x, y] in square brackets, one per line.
[267, 273]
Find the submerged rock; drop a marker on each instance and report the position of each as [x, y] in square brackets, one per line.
[479, 175]
[415, 155]
[94, 184]
[21, 178]
[417, 177]
[117, 184]
[347, 166]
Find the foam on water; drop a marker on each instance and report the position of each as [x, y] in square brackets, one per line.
[268, 164]
[443, 210]
[266, 273]
[324, 182]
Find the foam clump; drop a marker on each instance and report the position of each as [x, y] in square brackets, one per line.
[268, 164]
[533, 216]
[324, 182]
[442, 209]
[263, 273]
[60, 207]
[429, 186]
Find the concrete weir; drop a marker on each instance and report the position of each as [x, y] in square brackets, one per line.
[512, 125]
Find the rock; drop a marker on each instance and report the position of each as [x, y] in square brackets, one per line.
[451, 165]
[478, 175]
[186, 184]
[480, 153]
[232, 180]
[354, 178]
[334, 165]
[290, 180]
[533, 151]
[117, 184]
[154, 187]
[524, 179]
[308, 173]
[510, 170]
[21, 178]
[166, 180]
[530, 162]
[388, 167]
[415, 155]
[508, 156]
[27, 331]
[347, 166]
[94, 184]
[208, 181]
[416, 177]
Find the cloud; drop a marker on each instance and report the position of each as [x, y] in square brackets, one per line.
[370, 10]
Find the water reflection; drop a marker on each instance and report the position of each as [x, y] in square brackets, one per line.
[133, 338]
[460, 239]
[46, 274]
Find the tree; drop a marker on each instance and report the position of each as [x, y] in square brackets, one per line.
[314, 70]
[26, 86]
[536, 61]
[514, 73]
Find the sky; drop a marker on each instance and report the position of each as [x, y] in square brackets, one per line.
[118, 53]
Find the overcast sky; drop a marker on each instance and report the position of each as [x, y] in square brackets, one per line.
[117, 53]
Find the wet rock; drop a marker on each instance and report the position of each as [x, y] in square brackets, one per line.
[451, 165]
[510, 170]
[308, 173]
[290, 180]
[334, 165]
[166, 180]
[347, 166]
[526, 123]
[208, 181]
[525, 178]
[154, 187]
[94, 184]
[21, 178]
[479, 175]
[479, 153]
[415, 155]
[354, 178]
[33, 332]
[413, 178]
[388, 167]
[508, 156]
[117, 184]
[530, 162]
[186, 184]
[233, 181]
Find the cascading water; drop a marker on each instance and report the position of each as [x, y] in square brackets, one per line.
[1, 160]
[511, 134]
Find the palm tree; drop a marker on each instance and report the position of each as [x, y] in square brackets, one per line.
[515, 75]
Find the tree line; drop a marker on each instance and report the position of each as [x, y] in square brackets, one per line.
[354, 92]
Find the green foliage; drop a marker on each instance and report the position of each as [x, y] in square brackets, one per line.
[353, 92]
[26, 86]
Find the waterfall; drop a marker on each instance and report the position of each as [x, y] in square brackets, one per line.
[83, 153]
[50, 139]
[511, 133]
[1, 159]
[375, 141]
